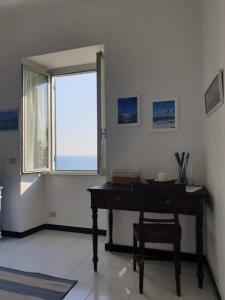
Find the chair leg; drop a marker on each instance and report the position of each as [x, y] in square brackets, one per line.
[179, 257]
[141, 275]
[177, 267]
[135, 253]
[141, 267]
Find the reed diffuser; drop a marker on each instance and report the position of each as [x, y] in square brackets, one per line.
[182, 161]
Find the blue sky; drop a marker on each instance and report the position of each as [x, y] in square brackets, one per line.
[76, 114]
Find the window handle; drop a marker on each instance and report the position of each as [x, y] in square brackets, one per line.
[103, 131]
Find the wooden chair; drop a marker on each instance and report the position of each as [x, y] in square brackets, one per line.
[158, 197]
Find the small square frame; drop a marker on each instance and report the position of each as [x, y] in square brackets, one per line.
[9, 120]
[170, 112]
[128, 111]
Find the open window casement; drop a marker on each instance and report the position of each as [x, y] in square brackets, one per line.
[36, 121]
[40, 118]
[101, 114]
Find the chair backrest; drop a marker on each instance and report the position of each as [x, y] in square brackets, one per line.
[157, 198]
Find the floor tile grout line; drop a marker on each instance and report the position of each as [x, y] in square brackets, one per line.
[90, 293]
[81, 261]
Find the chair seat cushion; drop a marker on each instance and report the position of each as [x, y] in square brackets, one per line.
[158, 233]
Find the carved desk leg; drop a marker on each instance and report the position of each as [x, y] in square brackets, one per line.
[199, 248]
[95, 237]
[110, 229]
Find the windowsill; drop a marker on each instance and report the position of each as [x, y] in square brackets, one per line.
[73, 173]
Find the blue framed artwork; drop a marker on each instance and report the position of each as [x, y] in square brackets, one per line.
[128, 111]
[164, 114]
[9, 120]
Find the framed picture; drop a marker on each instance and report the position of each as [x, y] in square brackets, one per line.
[214, 96]
[8, 120]
[164, 114]
[128, 111]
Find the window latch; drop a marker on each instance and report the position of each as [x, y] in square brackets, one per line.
[103, 131]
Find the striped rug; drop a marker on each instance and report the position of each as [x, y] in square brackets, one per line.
[18, 285]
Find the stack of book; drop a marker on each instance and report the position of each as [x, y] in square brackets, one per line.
[125, 176]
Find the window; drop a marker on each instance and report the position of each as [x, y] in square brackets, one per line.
[36, 121]
[63, 120]
[76, 121]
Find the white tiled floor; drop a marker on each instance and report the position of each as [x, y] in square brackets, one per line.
[69, 255]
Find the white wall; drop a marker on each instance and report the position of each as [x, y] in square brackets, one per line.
[214, 58]
[9, 177]
[69, 198]
[159, 54]
[33, 201]
[152, 48]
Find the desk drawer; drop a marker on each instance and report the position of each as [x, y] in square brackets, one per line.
[121, 200]
[189, 206]
[117, 200]
[184, 206]
[160, 206]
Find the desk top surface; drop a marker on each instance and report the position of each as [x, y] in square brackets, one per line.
[108, 186]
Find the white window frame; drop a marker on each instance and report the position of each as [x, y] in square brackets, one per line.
[101, 156]
[35, 68]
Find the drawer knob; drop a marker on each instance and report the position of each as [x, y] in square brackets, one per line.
[168, 202]
[117, 198]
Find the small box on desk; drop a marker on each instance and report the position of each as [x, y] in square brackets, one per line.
[125, 176]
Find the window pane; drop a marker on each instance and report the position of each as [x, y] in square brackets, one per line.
[36, 121]
[76, 122]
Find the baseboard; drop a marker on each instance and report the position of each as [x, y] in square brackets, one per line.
[152, 253]
[23, 234]
[74, 229]
[219, 297]
[28, 232]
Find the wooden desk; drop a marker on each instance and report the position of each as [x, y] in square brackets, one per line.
[120, 197]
